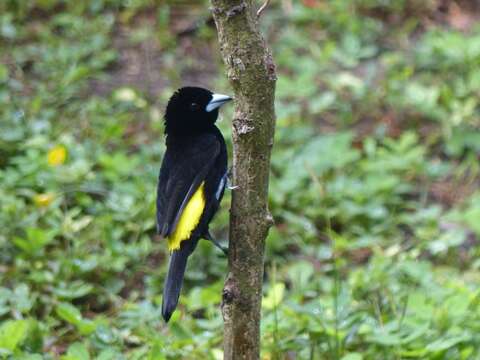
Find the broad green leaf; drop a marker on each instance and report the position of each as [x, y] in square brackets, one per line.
[13, 333]
[77, 351]
[69, 313]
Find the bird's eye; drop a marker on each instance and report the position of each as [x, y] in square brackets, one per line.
[194, 106]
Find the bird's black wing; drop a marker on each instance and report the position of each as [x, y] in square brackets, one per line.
[184, 167]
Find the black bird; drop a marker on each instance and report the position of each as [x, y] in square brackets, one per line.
[191, 182]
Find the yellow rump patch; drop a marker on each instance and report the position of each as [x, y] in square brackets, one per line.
[189, 219]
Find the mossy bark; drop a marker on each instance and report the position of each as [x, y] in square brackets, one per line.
[251, 71]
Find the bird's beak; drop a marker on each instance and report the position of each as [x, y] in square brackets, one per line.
[217, 101]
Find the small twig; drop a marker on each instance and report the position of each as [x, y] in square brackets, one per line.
[263, 7]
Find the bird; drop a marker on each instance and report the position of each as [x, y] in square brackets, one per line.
[192, 180]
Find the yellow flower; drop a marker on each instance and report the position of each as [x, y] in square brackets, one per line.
[57, 155]
[43, 200]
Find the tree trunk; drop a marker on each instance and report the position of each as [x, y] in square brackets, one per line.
[251, 72]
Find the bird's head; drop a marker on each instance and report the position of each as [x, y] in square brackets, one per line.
[192, 109]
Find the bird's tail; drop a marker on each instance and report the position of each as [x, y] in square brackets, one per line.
[173, 283]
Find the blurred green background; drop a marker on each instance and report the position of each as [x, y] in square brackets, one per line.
[374, 185]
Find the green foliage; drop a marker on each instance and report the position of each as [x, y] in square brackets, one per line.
[374, 185]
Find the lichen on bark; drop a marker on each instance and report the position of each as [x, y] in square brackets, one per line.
[251, 71]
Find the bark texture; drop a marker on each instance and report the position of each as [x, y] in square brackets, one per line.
[251, 71]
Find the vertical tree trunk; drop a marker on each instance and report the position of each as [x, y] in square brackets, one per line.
[251, 72]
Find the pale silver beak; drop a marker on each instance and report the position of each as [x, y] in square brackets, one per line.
[217, 101]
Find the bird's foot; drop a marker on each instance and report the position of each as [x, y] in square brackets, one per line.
[230, 185]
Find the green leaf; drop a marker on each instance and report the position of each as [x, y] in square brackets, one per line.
[352, 356]
[446, 343]
[109, 354]
[35, 240]
[13, 333]
[73, 290]
[300, 274]
[274, 296]
[69, 313]
[77, 351]
[72, 315]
